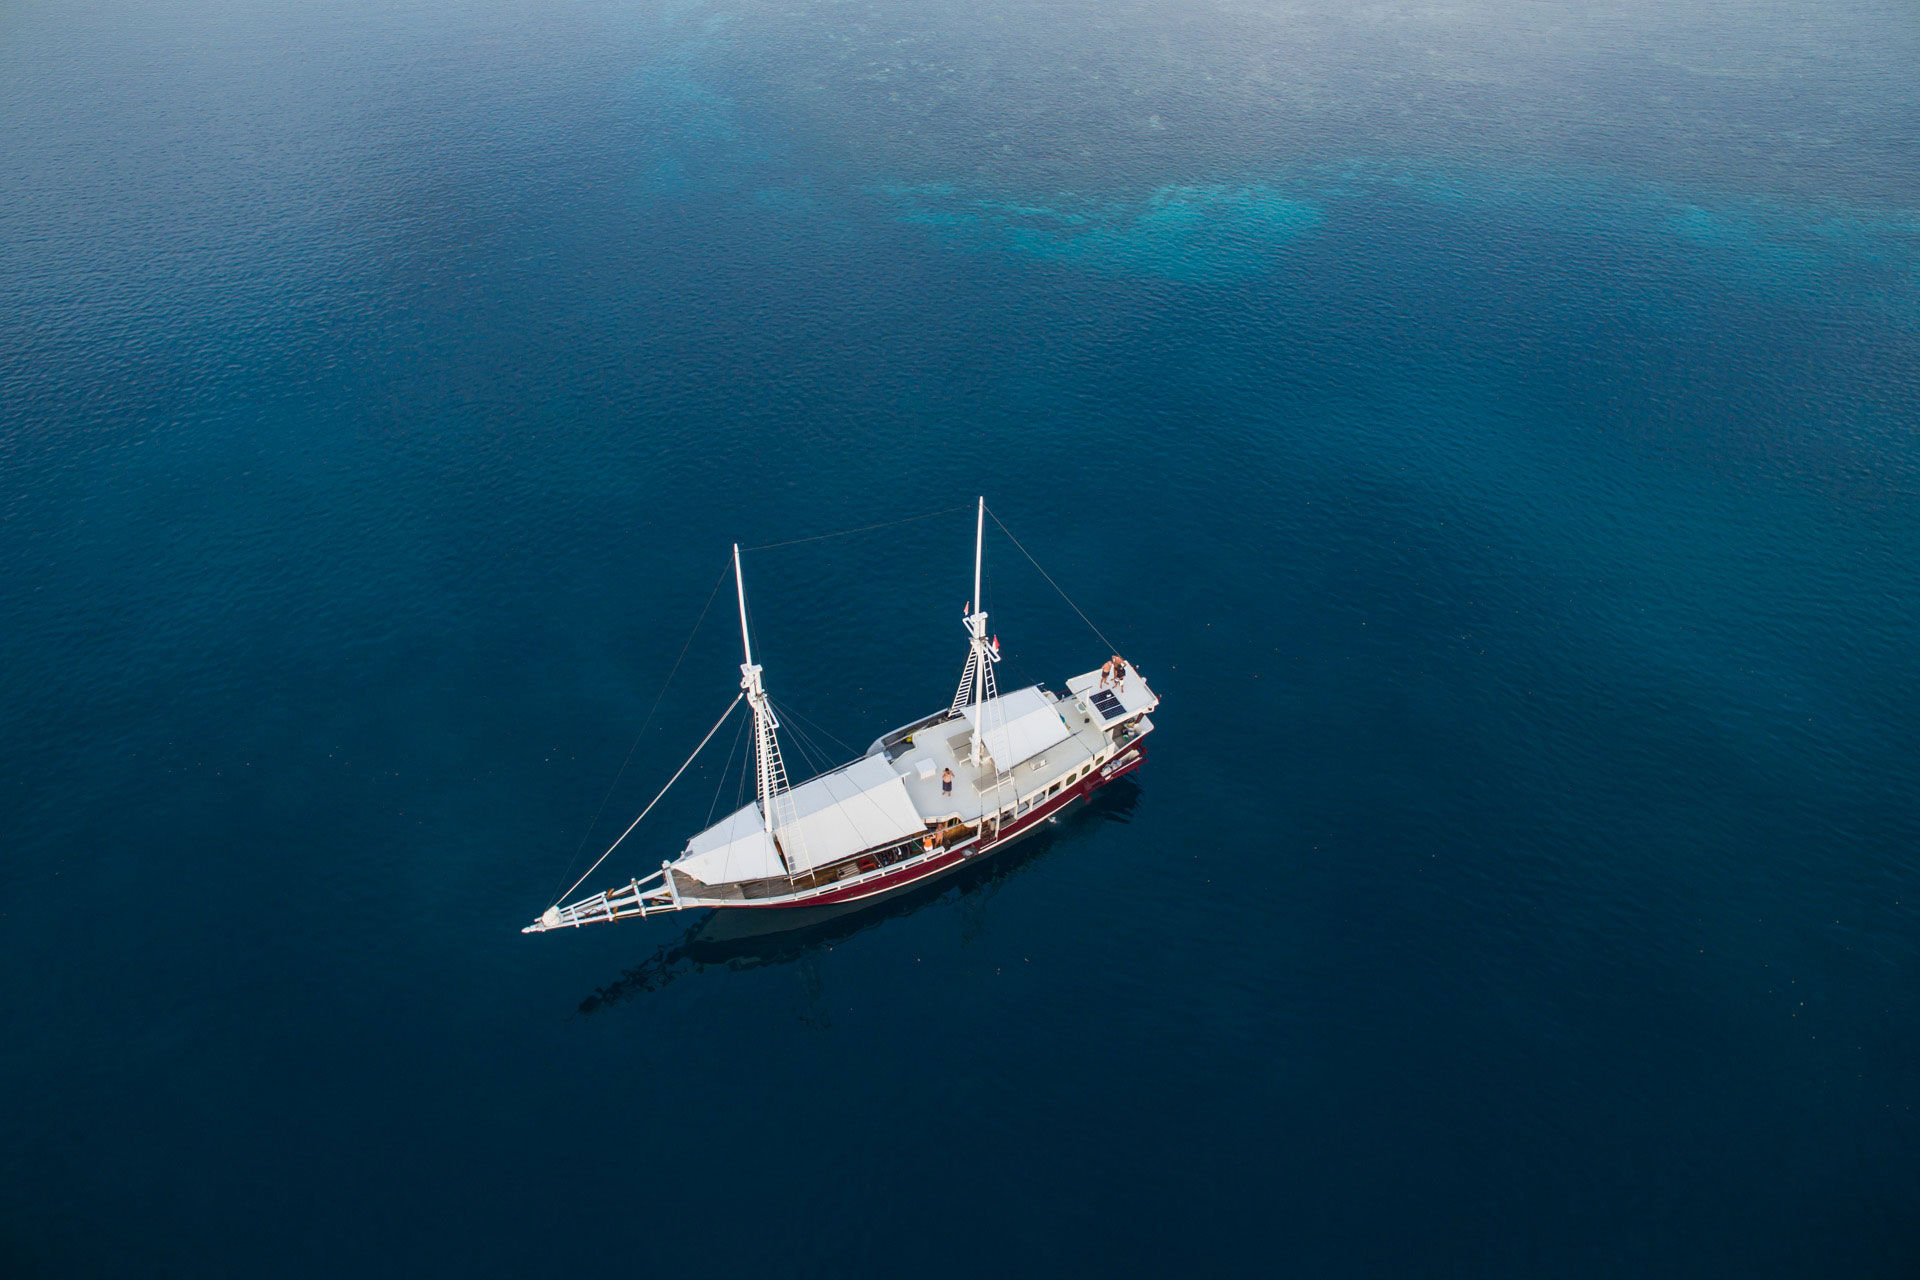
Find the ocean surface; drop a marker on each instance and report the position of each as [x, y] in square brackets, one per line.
[1491, 428]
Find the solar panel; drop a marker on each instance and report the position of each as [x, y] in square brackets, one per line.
[1106, 704]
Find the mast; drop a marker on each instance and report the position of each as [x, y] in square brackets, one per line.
[770, 775]
[740, 587]
[976, 678]
[979, 543]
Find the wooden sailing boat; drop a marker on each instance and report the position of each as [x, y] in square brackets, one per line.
[890, 821]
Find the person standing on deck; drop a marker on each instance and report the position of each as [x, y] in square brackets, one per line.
[1119, 672]
[946, 783]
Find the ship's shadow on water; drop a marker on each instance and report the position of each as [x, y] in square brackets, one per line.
[714, 942]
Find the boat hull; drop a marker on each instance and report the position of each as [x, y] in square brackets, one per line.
[835, 900]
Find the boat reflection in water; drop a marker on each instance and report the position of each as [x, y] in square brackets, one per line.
[787, 937]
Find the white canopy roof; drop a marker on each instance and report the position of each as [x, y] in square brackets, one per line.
[835, 815]
[843, 812]
[1020, 725]
[735, 848]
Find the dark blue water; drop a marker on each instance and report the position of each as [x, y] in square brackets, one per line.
[1492, 430]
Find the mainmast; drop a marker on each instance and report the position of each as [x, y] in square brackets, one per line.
[770, 777]
[976, 678]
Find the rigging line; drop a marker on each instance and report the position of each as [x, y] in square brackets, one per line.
[1050, 582]
[817, 760]
[830, 762]
[725, 768]
[793, 723]
[656, 800]
[588, 833]
[816, 726]
[798, 735]
[865, 528]
[810, 753]
[796, 745]
[740, 792]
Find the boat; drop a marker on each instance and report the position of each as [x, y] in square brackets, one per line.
[926, 800]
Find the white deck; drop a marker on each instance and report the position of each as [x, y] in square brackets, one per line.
[1017, 726]
[944, 746]
[1131, 693]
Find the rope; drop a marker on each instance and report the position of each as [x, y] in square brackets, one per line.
[814, 725]
[1111, 646]
[740, 791]
[588, 833]
[803, 746]
[656, 800]
[865, 528]
[725, 768]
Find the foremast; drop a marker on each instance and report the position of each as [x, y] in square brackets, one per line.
[770, 771]
[659, 891]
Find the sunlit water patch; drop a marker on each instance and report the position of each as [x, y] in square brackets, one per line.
[1794, 248]
[714, 112]
[1189, 232]
[1223, 232]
